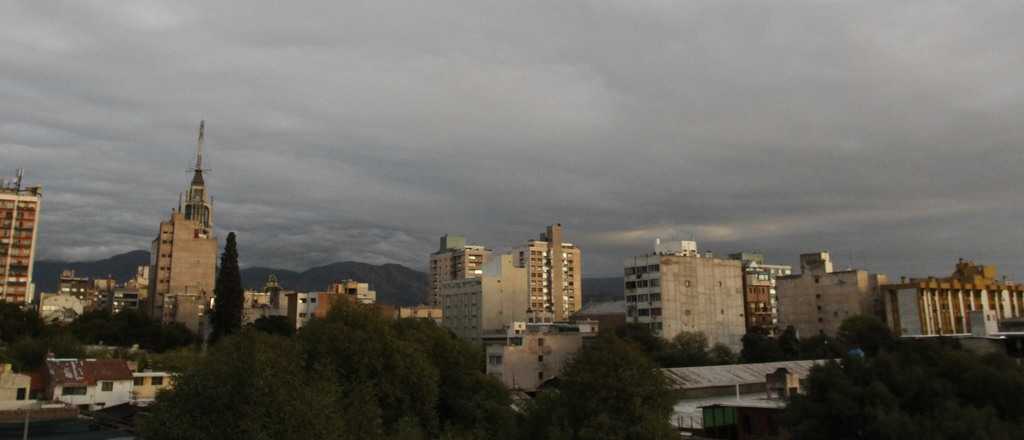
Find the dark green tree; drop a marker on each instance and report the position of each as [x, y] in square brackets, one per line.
[274, 325]
[865, 332]
[228, 294]
[721, 354]
[687, 349]
[759, 347]
[610, 390]
[16, 323]
[789, 344]
[251, 386]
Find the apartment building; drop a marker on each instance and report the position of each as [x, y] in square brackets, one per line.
[472, 307]
[356, 291]
[526, 355]
[944, 305]
[454, 260]
[819, 298]
[184, 257]
[760, 296]
[555, 271]
[19, 230]
[676, 289]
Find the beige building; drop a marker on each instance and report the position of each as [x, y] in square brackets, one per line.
[14, 389]
[59, 307]
[555, 271]
[356, 291]
[184, 257]
[420, 312]
[472, 307]
[819, 299]
[944, 306]
[525, 355]
[19, 230]
[675, 290]
[454, 260]
[147, 384]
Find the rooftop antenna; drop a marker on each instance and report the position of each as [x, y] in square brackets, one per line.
[199, 146]
[17, 182]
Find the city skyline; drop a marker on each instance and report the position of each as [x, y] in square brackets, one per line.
[364, 133]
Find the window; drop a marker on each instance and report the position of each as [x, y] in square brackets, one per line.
[817, 280]
[494, 359]
[139, 381]
[686, 283]
[157, 381]
[540, 376]
[540, 358]
[21, 394]
[645, 312]
[540, 342]
[73, 391]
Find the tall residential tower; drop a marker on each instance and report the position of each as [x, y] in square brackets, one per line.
[454, 260]
[555, 274]
[19, 226]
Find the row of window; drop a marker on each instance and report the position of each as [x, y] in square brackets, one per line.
[642, 284]
[643, 298]
[636, 270]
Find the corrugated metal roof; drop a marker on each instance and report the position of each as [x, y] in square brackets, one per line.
[732, 375]
[603, 308]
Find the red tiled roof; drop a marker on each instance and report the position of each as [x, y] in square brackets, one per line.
[87, 372]
[106, 369]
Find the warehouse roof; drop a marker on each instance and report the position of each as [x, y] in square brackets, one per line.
[731, 375]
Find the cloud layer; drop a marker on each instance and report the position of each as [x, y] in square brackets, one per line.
[887, 133]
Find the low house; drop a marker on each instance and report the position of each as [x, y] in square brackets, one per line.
[14, 389]
[526, 355]
[89, 384]
[146, 385]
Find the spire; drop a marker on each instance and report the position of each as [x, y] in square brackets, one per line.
[197, 178]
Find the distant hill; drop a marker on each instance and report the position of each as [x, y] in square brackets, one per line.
[395, 284]
[46, 274]
[602, 289]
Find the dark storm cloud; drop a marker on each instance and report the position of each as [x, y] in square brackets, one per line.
[888, 133]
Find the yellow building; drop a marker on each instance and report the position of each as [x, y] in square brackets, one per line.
[943, 306]
[19, 226]
[555, 271]
[147, 384]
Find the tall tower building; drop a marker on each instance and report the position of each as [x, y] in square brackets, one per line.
[184, 256]
[19, 226]
[454, 260]
[555, 274]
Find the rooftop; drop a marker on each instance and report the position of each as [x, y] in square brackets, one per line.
[732, 375]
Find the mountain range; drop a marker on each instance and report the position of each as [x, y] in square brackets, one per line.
[395, 284]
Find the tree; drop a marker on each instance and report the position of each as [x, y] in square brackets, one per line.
[610, 390]
[759, 347]
[274, 325]
[721, 354]
[865, 332]
[17, 323]
[228, 295]
[687, 349]
[30, 353]
[789, 344]
[250, 386]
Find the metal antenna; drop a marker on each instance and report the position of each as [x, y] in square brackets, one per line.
[199, 146]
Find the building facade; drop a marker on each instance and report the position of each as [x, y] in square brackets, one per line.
[454, 260]
[555, 272]
[59, 307]
[760, 296]
[526, 355]
[19, 229]
[675, 289]
[184, 257]
[472, 307]
[14, 389]
[818, 299]
[356, 291]
[89, 384]
[147, 384]
[943, 306]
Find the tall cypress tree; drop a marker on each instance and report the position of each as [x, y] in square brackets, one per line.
[228, 296]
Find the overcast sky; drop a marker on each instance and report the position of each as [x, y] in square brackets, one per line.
[363, 130]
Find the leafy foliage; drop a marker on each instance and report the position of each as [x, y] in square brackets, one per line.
[611, 390]
[229, 298]
[16, 323]
[687, 349]
[130, 327]
[274, 325]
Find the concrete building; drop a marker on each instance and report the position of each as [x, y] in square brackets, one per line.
[82, 288]
[88, 384]
[819, 299]
[19, 230]
[760, 296]
[555, 271]
[120, 298]
[675, 289]
[472, 307]
[945, 306]
[59, 307]
[356, 291]
[14, 389]
[302, 306]
[420, 312]
[454, 260]
[184, 257]
[526, 355]
[146, 385]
